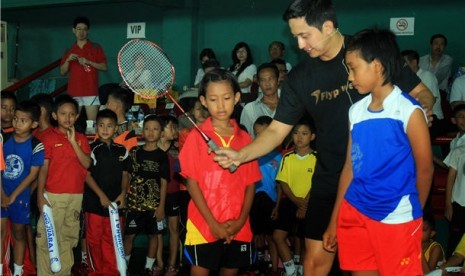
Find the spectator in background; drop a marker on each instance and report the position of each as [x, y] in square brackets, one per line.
[455, 186]
[438, 62]
[205, 54]
[243, 67]
[457, 94]
[267, 76]
[429, 80]
[8, 102]
[83, 61]
[281, 64]
[276, 51]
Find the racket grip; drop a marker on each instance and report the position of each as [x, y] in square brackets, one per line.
[215, 147]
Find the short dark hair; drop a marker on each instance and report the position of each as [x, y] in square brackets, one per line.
[316, 12]
[433, 37]
[268, 65]
[207, 52]
[81, 19]
[211, 63]
[64, 99]
[166, 119]
[411, 55]
[107, 114]
[154, 118]
[308, 122]
[31, 108]
[122, 95]
[8, 95]
[263, 121]
[278, 43]
[44, 100]
[217, 75]
[457, 109]
[379, 44]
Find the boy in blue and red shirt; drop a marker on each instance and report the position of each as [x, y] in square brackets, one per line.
[24, 155]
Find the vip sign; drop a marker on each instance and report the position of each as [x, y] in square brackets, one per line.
[403, 25]
[136, 30]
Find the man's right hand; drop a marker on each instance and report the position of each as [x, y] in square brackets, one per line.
[226, 157]
[72, 57]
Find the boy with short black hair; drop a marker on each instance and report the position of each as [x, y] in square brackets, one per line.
[119, 101]
[8, 102]
[295, 170]
[388, 169]
[102, 189]
[62, 178]
[24, 155]
[149, 175]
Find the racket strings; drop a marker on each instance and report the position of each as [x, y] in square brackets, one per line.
[146, 69]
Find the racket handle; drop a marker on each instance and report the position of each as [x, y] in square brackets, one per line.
[214, 147]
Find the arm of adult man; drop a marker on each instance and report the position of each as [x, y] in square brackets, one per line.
[423, 95]
[272, 137]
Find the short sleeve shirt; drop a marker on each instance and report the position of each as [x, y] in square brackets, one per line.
[147, 170]
[19, 158]
[456, 160]
[65, 172]
[108, 164]
[295, 171]
[83, 80]
[223, 191]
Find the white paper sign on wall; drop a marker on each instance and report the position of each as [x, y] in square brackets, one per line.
[136, 30]
[403, 25]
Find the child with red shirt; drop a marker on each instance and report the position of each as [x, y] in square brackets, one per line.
[62, 178]
[218, 231]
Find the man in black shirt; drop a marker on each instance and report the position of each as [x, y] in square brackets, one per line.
[318, 85]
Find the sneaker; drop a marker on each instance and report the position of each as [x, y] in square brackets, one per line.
[171, 271]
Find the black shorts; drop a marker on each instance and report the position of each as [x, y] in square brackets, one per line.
[318, 216]
[287, 220]
[141, 221]
[172, 205]
[217, 254]
[260, 214]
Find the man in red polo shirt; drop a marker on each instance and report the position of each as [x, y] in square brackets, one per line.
[83, 61]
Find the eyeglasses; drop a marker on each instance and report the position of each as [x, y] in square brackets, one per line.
[82, 29]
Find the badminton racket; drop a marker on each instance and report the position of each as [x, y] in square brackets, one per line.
[148, 72]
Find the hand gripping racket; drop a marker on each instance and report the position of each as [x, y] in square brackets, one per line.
[148, 72]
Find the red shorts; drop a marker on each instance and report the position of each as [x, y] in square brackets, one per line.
[366, 244]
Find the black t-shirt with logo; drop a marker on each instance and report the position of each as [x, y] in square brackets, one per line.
[147, 170]
[320, 88]
[108, 164]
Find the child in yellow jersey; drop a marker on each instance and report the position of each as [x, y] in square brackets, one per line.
[295, 176]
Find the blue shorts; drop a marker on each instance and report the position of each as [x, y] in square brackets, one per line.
[19, 212]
